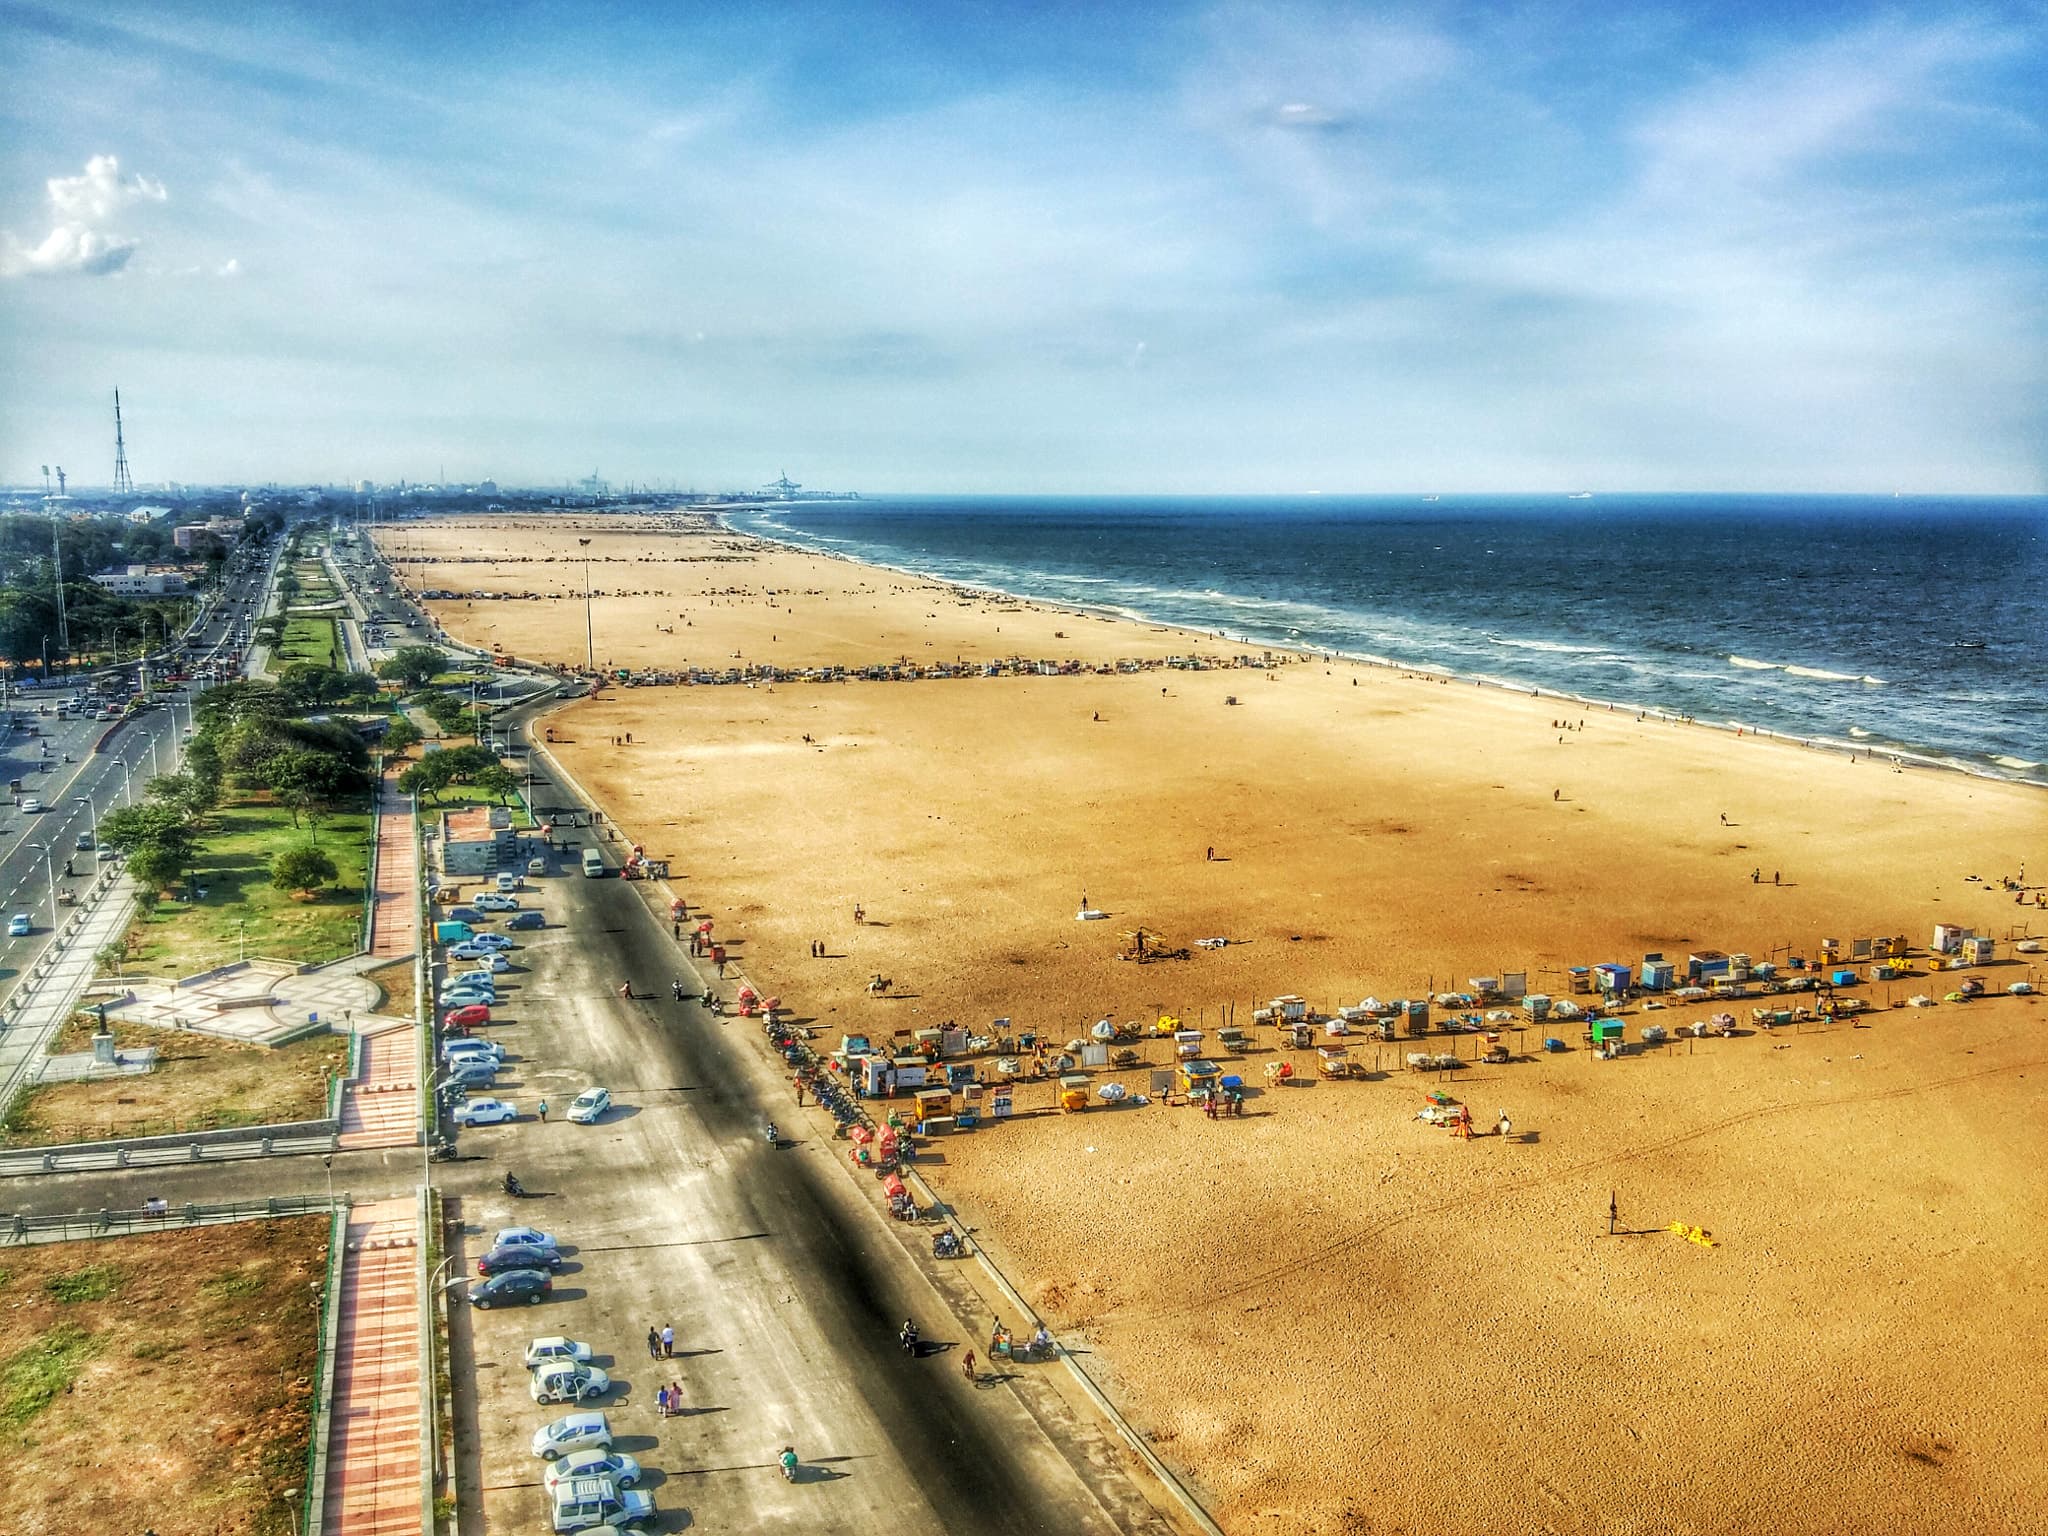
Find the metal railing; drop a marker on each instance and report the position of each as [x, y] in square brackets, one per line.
[314, 1513]
[18, 1228]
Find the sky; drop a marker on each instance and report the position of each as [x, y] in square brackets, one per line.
[1031, 248]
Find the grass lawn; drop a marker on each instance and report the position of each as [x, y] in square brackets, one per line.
[457, 797]
[200, 1084]
[179, 938]
[164, 1379]
[308, 639]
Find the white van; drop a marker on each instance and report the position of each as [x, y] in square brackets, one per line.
[593, 864]
[507, 881]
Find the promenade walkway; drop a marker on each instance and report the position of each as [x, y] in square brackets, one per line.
[373, 1440]
[394, 913]
[382, 1107]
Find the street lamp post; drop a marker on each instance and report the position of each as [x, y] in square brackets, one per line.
[127, 782]
[152, 757]
[241, 939]
[49, 877]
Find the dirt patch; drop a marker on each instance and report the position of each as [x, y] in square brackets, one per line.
[399, 982]
[200, 1084]
[160, 1382]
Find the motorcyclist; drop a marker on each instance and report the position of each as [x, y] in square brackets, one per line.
[512, 1185]
[1041, 1341]
[676, 987]
[771, 1134]
[788, 1460]
[907, 1336]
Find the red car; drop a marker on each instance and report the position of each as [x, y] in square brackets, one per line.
[462, 1018]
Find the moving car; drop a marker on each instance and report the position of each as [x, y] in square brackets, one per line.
[31, 806]
[465, 1016]
[496, 901]
[518, 1256]
[19, 926]
[564, 1381]
[514, 1285]
[529, 1237]
[590, 1104]
[555, 1349]
[572, 1432]
[484, 1112]
[589, 1503]
[83, 842]
[526, 920]
[598, 1461]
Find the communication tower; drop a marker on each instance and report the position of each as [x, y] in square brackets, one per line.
[124, 484]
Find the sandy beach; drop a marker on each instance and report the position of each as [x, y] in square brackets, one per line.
[1330, 1316]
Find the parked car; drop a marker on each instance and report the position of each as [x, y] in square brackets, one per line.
[488, 966]
[564, 1381]
[474, 949]
[472, 1071]
[527, 919]
[507, 881]
[497, 901]
[469, 1045]
[466, 915]
[526, 1237]
[554, 1349]
[465, 1016]
[19, 926]
[598, 1461]
[469, 997]
[484, 1112]
[590, 1105]
[513, 1285]
[491, 943]
[589, 1430]
[591, 1503]
[518, 1256]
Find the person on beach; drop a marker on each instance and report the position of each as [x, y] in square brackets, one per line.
[967, 1368]
[653, 1344]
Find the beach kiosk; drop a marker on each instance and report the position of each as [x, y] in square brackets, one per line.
[1613, 980]
[1605, 1036]
[1187, 1044]
[1537, 1006]
[1198, 1079]
[934, 1111]
[1333, 1061]
[1656, 974]
[1073, 1093]
[1978, 950]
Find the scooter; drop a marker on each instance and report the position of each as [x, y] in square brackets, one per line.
[514, 1188]
[771, 1135]
[947, 1245]
[788, 1460]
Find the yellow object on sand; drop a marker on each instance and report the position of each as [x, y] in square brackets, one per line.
[1698, 1235]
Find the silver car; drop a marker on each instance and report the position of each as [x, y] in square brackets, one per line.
[572, 1432]
[556, 1350]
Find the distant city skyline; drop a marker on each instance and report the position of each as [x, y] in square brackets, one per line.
[1036, 248]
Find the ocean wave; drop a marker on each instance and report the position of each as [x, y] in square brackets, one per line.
[1816, 674]
[2017, 764]
[1859, 733]
[1557, 647]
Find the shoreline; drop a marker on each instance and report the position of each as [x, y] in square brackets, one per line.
[1898, 754]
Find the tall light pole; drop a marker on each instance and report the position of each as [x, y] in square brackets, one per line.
[152, 757]
[49, 877]
[127, 782]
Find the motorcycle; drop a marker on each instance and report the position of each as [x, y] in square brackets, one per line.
[947, 1245]
[514, 1188]
[789, 1463]
[907, 1337]
[771, 1135]
[444, 1151]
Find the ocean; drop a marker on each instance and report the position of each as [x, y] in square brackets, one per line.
[1910, 626]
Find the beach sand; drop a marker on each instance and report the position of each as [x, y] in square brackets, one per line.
[1330, 1316]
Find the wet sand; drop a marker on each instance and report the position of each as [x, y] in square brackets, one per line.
[1331, 1316]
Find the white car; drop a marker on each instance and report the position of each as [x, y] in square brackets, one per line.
[598, 1461]
[485, 1112]
[590, 1104]
[555, 1350]
[496, 901]
[487, 943]
[571, 1432]
[19, 926]
[471, 1045]
[524, 1237]
[486, 967]
[474, 949]
[561, 1382]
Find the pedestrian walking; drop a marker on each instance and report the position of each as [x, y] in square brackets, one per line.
[967, 1367]
[653, 1344]
[668, 1342]
[543, 1111]
[1774, 877]
[661, 1402]
[799, 1092]
[677, 929]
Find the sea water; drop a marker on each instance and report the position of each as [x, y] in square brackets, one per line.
[1911, 626]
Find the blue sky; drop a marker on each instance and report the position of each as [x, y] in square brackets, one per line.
[972, 247]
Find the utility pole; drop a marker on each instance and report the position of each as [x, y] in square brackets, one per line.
[57, 563]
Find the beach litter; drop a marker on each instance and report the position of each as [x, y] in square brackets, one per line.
[1692, 1234]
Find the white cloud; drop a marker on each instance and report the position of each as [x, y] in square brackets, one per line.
[232, 267]
[79, 242]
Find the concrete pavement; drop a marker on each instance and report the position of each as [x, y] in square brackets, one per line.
[374, 1477]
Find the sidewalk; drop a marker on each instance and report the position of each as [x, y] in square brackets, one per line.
[373, 1439]
[394, 914]
[382, 1107]
[24, 1044]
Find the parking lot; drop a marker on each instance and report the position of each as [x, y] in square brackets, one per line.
[783, 1286]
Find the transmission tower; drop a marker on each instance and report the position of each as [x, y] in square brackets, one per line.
[124, 484]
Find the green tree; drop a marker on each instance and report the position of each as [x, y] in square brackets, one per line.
[156, 867]
[427, 777]
[303, 869]
[185, 793]
[308, 685]
[402, 737]
[414, 665]
[498, 782]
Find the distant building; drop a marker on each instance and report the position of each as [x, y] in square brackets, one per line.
[148, 514]
[477, 841]
[143, 581]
